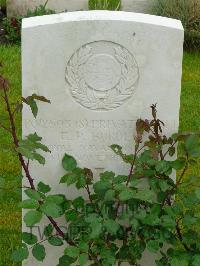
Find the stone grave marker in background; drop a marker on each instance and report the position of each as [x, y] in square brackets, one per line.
[101, 70]
[20, 7]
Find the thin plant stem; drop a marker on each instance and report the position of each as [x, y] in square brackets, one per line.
[25, 165]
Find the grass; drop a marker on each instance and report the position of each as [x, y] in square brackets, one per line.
[10, 215]
[104, 4]
[190, 98]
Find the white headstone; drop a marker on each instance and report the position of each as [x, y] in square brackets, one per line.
[101, 70]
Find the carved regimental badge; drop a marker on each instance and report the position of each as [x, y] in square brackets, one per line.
[102, 75]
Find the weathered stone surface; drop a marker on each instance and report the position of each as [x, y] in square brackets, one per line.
[101, 70]
[21, 6]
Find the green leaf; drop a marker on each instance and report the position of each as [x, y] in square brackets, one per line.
[55, 241]
[69, 163]
[41, 147]
[28, 147]
[38, 158]
[72, 252]
[66, 205]
[25, 152]
[66, 260]
[83, 259]
[29, 204]
[178, 261]
[107, 176]
[95, 223]
[32, 141]
[101, 187]
[193, 146]
[117, 149]
[32, 194]
[29, 238]
[168, 222]
[192, 162]
[96, 229]
[124, 252]
[196, 260]
[172, 151]
[134, 182]
[39, 252]
[83, 247]
[34, 137]
[126, 194]
[164, 186]
[48, 230]
[52, 209]
[189, 220]
[163, 167]
[81, 181]
[78, 203]
[144, 195]
[119, 187]
[119, 179]
[93, 217]
[153, 246]
[135, 223]
[32, 217]
[178, 164]
[108, 256]
[111, 226]
[154, 182]
[20, 254]
[110, 195]
[57, 199]
[43, 188]
[40, 98]
[141, 214]
[33, 105]
[70, 178]
[71, 215]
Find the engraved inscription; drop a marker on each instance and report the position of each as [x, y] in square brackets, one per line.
[102, 75]
[100, 132]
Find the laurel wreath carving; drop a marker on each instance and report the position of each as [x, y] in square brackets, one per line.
[109, 99]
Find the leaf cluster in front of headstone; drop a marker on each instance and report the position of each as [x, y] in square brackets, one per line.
[29, 147]
[120, 216]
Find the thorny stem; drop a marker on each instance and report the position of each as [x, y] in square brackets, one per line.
[170, 147]
[89, 193]
[130, 173]
[157, 127]
[15, 140]
[59, 231]
[180, 237]
[132, 165]
[183, 172]
[42, 241]
[178, 229]
[90, 198]
[93, 257]
[23, 163]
